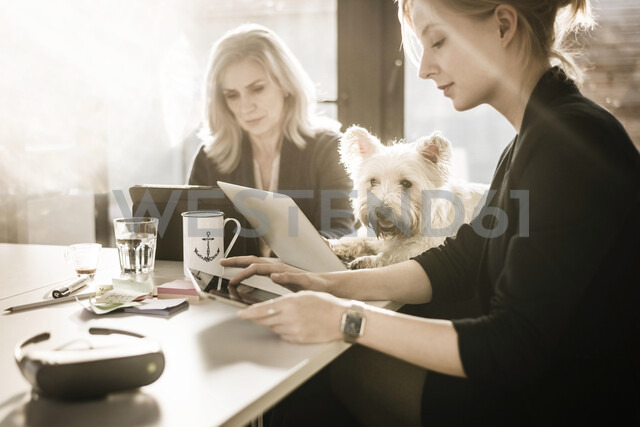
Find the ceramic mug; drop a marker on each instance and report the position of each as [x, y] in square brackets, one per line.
[203, 240]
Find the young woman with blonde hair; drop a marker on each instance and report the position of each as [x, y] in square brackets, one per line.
[552, 257]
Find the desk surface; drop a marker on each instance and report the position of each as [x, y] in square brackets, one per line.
[220, 370]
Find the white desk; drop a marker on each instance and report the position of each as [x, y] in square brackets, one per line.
[219, 370]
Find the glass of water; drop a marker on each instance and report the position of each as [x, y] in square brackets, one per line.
[136, 242]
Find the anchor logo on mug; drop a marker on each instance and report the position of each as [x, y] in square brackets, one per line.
[208, 257]
[203, 240]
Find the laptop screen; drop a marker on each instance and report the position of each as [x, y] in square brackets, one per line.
[284, 227]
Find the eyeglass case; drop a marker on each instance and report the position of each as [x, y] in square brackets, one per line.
[71, 373]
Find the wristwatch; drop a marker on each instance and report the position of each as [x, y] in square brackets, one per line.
[353, 321]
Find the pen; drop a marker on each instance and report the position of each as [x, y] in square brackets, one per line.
[48, 302]
[63, 291]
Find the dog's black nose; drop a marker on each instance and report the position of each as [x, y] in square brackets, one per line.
[384, 213]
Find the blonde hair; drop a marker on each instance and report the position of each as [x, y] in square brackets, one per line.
[221, 133]
[545, 27]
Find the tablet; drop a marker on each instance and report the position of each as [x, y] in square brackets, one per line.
[218, 288]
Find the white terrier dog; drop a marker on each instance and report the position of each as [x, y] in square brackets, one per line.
[404, 195]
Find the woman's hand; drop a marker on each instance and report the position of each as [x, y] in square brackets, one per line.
[303, 317]
[254, 265]
[285, 275]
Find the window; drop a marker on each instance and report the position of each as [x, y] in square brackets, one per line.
[479, 136]
[613, 62]
[99, 96]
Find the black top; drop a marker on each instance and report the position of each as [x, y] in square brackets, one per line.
[313, 177]
[553, 259]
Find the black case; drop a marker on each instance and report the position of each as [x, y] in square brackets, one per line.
[91, 373]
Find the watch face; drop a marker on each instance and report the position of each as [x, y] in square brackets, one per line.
[353, 325]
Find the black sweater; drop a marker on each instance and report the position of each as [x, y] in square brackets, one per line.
[557, 281]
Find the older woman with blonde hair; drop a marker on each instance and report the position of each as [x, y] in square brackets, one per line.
[552, 257]
[261, 129]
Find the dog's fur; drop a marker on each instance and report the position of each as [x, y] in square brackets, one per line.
[391, 183]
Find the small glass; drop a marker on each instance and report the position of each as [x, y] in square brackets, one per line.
[84, 258]
[136, 242]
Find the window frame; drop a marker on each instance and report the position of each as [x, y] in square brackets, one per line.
[370, 67]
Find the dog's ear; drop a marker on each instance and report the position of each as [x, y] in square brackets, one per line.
[356, 145]
[435, 148]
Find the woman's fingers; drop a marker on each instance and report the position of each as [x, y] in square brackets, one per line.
[241, 261]
[304, 317]
[271, 314]
[260, 311]
[233, 293]
[261, 268]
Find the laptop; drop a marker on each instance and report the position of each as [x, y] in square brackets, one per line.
[168, 202]
[279, 221]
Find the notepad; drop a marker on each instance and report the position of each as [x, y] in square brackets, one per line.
[159, 307]
[178, 289]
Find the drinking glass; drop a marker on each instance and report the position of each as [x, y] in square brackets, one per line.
[84, 257]
[136, 242]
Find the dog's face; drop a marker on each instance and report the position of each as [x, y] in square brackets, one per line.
[390, 179]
